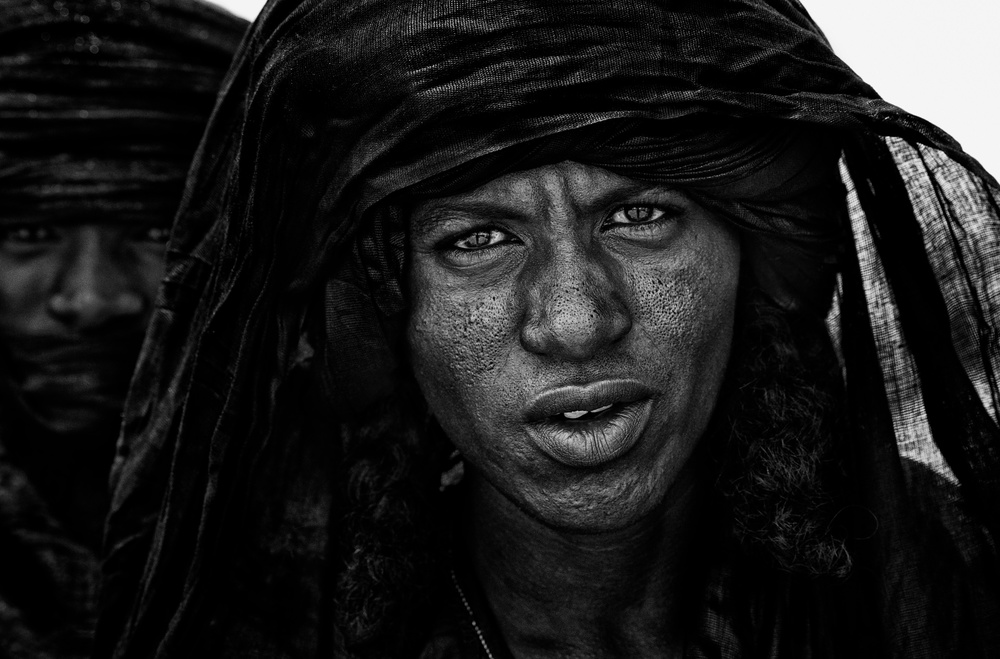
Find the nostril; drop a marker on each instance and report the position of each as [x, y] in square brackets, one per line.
[69, 304]
[88, 308]
[575, 326]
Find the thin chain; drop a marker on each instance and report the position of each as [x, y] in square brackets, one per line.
[468, 609]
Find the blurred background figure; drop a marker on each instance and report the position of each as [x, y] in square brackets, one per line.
[102, 105]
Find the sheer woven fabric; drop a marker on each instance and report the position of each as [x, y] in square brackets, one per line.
[965, 256]
[281, 311]
[959, 222]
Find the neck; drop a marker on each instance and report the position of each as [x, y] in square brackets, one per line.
[618, 593]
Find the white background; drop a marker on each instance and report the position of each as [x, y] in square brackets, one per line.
[937, 59]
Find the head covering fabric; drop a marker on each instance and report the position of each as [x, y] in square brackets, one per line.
[102, 106]
[102, 103]
[282, 306]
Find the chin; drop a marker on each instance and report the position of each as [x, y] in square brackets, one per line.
[599, 501]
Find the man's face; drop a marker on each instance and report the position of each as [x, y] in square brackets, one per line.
[570, 329]
[73, 299]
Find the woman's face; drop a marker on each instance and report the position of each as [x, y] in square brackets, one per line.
[77, 286]
[570, 330]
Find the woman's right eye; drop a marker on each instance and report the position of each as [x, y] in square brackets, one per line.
[476, 246]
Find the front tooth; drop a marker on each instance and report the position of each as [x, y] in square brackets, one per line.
[575, 414]
[600, 409]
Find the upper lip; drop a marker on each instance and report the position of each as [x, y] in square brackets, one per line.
[590, 396]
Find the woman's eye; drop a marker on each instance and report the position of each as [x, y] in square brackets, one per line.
[637, 214]
[480, 239]
[27, 235]
[642, 222]
[476, 246]
[154, 234]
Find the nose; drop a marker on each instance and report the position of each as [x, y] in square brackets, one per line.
[93, 288]
[574, 306]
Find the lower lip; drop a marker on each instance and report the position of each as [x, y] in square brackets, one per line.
[76, 384]
[592, 443]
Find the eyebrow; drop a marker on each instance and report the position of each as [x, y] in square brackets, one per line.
[619, 194]
[441, 213]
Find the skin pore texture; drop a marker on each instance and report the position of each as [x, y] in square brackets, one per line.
[538, 300]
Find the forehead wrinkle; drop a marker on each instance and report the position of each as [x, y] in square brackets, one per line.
[436, 213]
[591, 189]
[558, 191]
[424, 220]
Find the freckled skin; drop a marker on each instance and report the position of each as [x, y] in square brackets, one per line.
[565, 297]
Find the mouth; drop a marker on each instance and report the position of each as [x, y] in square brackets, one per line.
[73, 383]
[590, 425]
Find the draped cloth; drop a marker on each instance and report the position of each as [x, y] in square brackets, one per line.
[281, 310]
[102, 106]
[103, 102]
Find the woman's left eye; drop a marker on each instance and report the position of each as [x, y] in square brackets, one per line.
[154, 234]
[642, 222]
[637, 214]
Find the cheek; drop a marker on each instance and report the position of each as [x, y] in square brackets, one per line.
[687, 314]
[147, 271]
[459, 345]
[24, 291]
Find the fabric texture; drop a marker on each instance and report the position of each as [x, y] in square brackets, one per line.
[280, 315]
[49, 592]
[102, 106]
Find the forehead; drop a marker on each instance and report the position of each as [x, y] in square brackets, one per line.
[577, 178]
[567, 182]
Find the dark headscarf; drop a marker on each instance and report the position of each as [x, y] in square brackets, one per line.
[103, 102]
[102, 107]
[282, 306]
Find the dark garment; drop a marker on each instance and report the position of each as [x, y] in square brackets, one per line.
[464, 625]
[49, 577]
[795, 616]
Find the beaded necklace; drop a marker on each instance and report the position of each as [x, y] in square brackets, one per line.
[472, 617]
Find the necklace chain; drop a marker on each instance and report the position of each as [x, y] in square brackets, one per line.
[472, 617]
